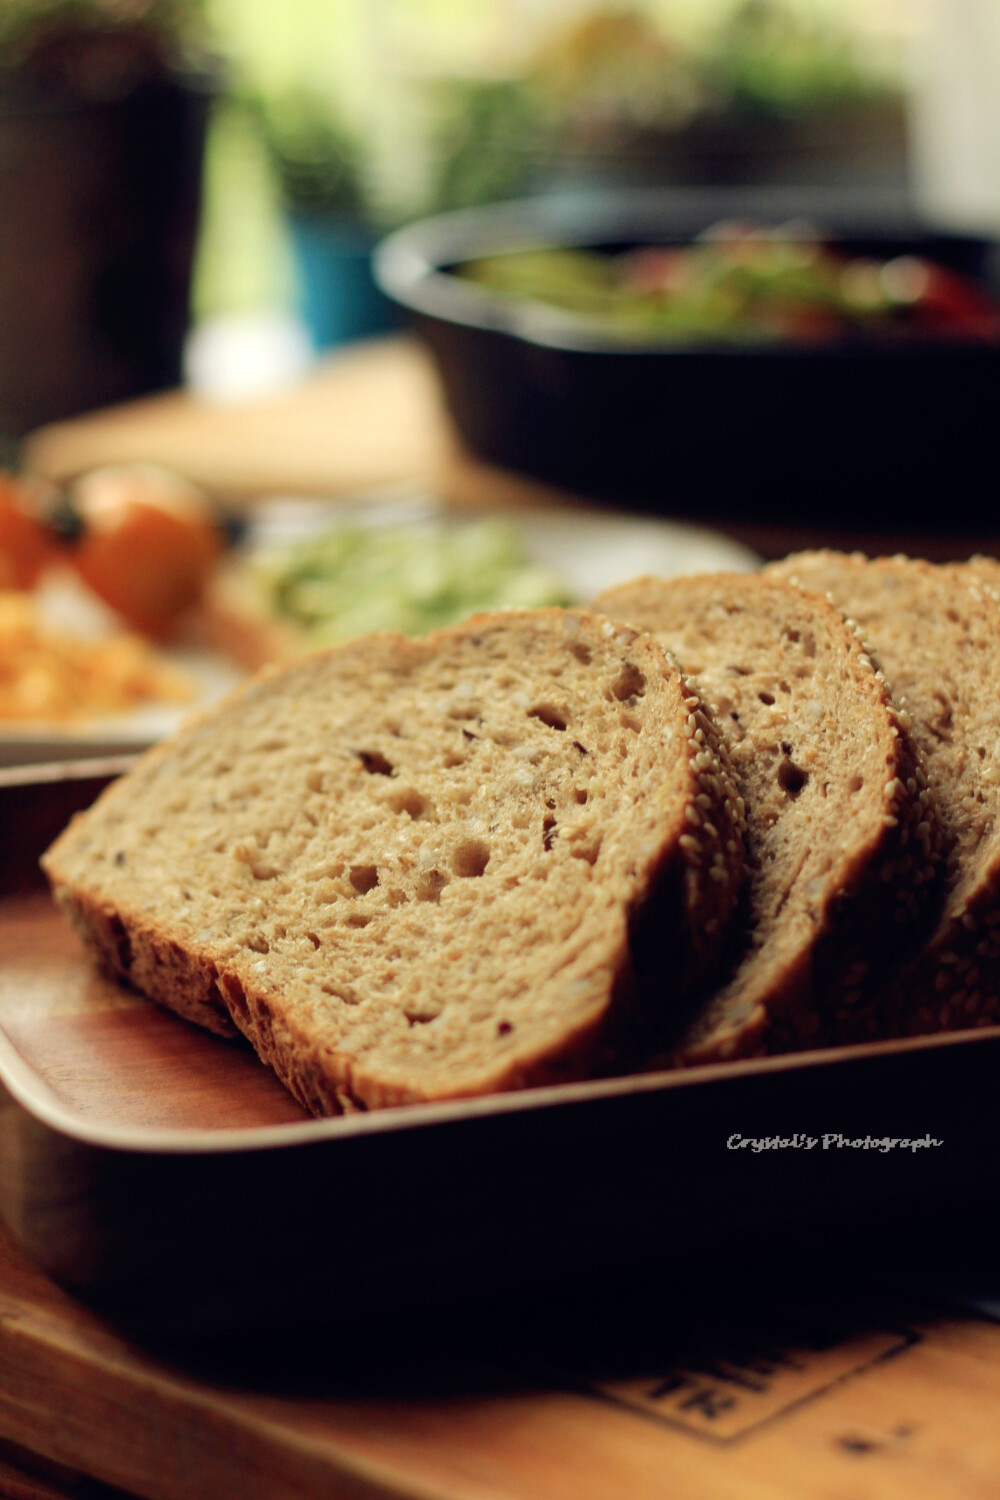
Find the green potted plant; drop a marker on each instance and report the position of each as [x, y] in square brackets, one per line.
[319, 167]
[103, 108]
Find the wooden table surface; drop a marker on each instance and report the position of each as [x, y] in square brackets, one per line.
[899, 1400]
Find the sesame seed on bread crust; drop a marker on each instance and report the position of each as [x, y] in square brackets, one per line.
[423, 869]
[937, 632]
[979, 569]
[841, 827]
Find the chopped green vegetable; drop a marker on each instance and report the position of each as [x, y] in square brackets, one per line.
[352, 580]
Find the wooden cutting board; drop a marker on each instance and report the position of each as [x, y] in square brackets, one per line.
[886, 1406]
[371, 415]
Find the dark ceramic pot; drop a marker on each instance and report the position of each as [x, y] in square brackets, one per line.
[874, 433]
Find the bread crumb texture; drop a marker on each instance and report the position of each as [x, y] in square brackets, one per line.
[937, 633]
[842, 831]
[410, 869]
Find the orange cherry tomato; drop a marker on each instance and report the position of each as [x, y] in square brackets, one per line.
[26, 543]
[147, 546]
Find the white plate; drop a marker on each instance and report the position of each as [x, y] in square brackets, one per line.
[589, 551]
[68, 607]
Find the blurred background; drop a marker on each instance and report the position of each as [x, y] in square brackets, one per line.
[218, 170]
[191, 192]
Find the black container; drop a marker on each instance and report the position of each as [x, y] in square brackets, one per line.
[99, 204]
[865, 432]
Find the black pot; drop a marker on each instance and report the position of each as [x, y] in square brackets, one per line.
[871, 432]
[99, 206]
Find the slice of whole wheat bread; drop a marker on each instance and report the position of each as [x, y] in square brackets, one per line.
[841, 829]
[937, 633]
[415, 869]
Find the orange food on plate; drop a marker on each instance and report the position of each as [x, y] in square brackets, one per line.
[26, 543]
[147, 546]
[49, 676]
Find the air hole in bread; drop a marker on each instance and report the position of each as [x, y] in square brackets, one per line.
[467, 734]
[359, 919]
[431, 886]
[504, 1028]
[589, 852]
[471, 858]
[581, 652]
[549, 715]
[582, 748]
[630, 721]
[364, 878]
[580, 795]
[791, 634]
[451, 759]
[314, 781]
[738, 671]
[408, 800]
[791, 778]
[313, 938]
[258, 943]
[420, 1016]
[767, 698]
[630, 683]
[548, 831]
[855, 784]
[375, 763]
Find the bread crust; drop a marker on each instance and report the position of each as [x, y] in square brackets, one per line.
[688, 881]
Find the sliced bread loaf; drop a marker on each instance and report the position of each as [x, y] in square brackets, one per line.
[414, 869]
[937, 634]
[841, 832]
